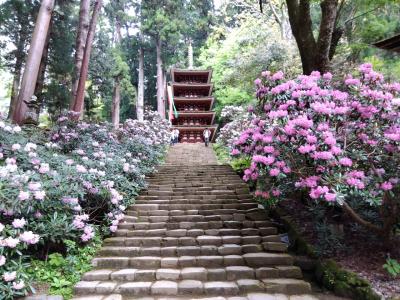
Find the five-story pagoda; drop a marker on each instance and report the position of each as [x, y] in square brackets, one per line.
[191, 94]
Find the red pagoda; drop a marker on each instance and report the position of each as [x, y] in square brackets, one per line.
[191, 93]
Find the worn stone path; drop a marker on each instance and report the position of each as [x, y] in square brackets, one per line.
[195, 233]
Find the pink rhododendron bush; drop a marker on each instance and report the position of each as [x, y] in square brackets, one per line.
[236, 120]
[68, 184]
[338, 141]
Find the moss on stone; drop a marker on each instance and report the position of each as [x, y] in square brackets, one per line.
[327, 272]
[343, 283]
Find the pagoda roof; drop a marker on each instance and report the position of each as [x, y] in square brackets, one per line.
[197, 114]
[209, 101]
[213, 129]
[391, 44]
[190, 72]
[192, 86]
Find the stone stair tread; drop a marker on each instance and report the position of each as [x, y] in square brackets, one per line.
[145, 241]
[193, 286]
[196, 234]
[183, 232]
[224, 249]
[260, 259]
[194, 273]
[249, 296]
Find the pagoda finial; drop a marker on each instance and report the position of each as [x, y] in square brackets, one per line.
[190, 55]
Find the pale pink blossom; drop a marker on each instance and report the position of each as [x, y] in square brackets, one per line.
[29, 237]
[10, 242]
[23, 195]
[9, 276]
[2, 260]
[19, 223]
[18, 285]
[15, 147]
[39, 195]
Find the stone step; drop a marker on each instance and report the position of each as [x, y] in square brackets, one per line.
[188, 241]
[176, 206]
[248, 296]
[225, 249]
[130, 222]
[189, 193]
[147, 210]
[194, 287]
[208, 197]
[200, 182]
[194, 233]
[194, 216]
[254, 260]
[179, 174]
[194, 191]
[195, 199]
[187, 218]
[196, 273]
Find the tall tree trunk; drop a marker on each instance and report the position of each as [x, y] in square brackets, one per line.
[80, 95]
[315, 55]
[140, 100]
[19, 58]
[82, 33]
[116, 99]
[14, 89]
[326, 28]
[33, 61]
[42, 72]
[160, 102]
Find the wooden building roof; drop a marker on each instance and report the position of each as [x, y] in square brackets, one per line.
[390, 44]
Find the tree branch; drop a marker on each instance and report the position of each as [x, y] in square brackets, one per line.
[357, 218]
[278, 20]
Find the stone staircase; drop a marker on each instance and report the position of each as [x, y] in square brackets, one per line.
[195, 233]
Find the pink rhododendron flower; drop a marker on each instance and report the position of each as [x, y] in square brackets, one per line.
[39, 195]
[19, 223]
[34, 186]
[44, 168]
[29, 237]
[2, 260]
[10, 242]
[9, 276]
[345, 161]
[18, 285]
[386, 186]
[81, 169]
[307, 148]
[23, 195]
[330, 197]
[274, 172]
[15, 147]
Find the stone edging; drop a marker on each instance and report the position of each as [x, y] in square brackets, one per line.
[325, 272]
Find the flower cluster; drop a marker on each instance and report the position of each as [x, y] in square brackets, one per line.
[335, 139]
[63, 184]
[239, 120]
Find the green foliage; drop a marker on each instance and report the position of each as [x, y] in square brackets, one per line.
[222, 153]
[223, 156]
[343, 283]
[62, 272]
[241, 164]
[392, 266]
[238, 55]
